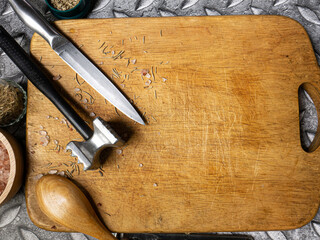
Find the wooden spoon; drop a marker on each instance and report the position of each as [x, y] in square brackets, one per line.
[63, 202]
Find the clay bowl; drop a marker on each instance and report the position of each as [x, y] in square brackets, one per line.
[9, 185]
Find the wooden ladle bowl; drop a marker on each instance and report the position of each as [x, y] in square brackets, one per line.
[64, 203]
[14, 181]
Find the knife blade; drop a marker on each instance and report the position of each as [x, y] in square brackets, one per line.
[74, 58]
[179, 236]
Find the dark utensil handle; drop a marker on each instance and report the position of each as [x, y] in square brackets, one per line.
[40, 80]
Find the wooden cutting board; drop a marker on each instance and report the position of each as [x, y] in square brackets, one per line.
[221, 150]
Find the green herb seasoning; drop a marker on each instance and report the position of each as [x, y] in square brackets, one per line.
[64, 5]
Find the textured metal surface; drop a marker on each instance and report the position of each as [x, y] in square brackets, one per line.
[14, 221]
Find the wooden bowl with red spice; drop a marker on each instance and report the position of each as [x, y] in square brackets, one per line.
[11, 167]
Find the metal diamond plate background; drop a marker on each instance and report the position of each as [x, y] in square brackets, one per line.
[14, 221]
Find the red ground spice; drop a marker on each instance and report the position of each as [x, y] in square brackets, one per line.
[4, 167]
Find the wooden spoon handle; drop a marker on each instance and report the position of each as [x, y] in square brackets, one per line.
[63, 202]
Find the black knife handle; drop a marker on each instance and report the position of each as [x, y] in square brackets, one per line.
[41, 81]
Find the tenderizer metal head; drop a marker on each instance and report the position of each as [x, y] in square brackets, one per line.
[88, 152]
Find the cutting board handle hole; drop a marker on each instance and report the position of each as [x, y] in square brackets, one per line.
[309, 105]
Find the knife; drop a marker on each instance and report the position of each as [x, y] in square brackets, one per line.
[74, 58]
[179, 236]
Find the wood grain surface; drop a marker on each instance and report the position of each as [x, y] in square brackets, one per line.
[221, 150]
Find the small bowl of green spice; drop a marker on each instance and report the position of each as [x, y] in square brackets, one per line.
[69, 9]
[13, 103]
